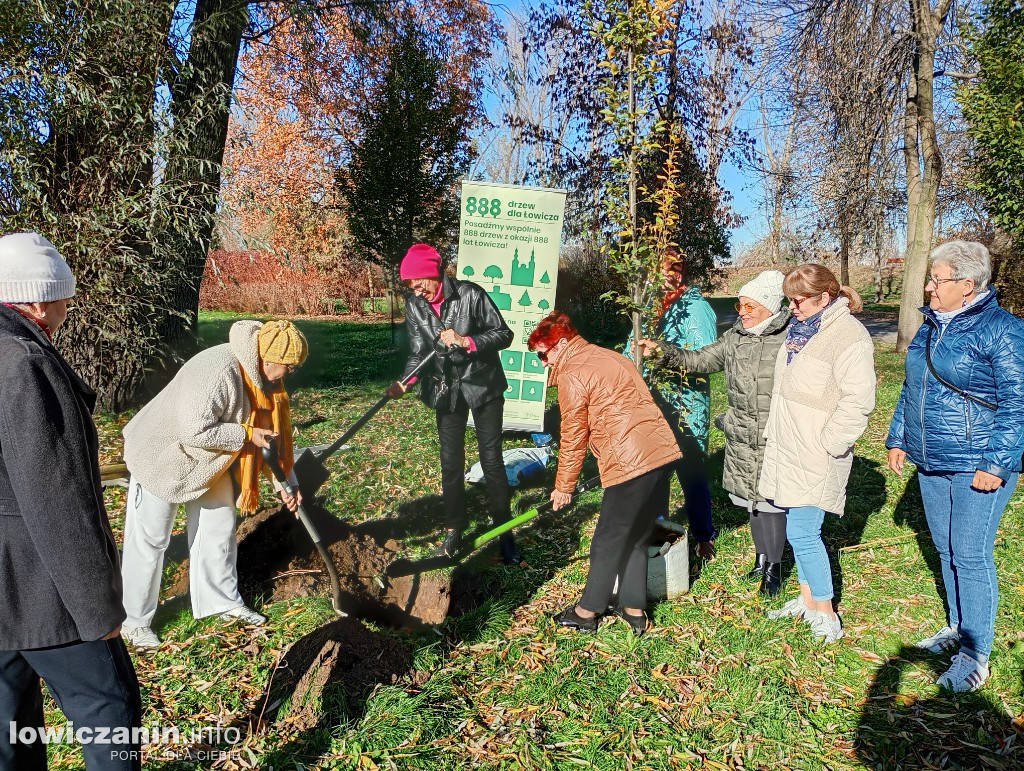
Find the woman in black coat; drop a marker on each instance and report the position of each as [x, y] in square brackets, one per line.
[459, 321]
[61, 605]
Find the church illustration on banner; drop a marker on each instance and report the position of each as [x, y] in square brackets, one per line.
[522, 274]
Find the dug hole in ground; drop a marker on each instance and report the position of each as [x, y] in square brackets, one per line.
[277, 560]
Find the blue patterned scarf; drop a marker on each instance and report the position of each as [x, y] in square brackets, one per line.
[800, 332]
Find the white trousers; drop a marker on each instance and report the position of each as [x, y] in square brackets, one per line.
[213, 551]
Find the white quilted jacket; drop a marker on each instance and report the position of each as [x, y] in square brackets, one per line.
[820, 407]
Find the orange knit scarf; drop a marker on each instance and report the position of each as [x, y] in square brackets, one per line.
[268, 410]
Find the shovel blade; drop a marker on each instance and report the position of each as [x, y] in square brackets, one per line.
[311, 473]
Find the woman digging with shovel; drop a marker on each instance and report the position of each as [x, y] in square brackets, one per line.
[466, 376]
[198, 443]
[606, 404]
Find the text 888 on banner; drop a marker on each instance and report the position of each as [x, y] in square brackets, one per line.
[509, 240]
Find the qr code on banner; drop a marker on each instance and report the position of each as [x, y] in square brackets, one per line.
[528, 326]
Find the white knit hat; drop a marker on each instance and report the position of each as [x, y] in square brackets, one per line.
[31, 270]
[765, 288]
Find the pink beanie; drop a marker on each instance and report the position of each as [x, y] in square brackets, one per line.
[421, 261]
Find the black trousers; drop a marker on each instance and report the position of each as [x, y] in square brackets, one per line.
[94, 684]
[451, 431]
[691, 472]
[769, 531]
[619, 546]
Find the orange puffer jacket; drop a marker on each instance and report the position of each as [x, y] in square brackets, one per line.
[605, 401]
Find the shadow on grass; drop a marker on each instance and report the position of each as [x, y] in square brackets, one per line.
[865, 495]
[897, 729]
[340, 354]
[909, 512]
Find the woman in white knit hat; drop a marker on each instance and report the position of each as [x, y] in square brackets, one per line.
[747, 353]
[61, 605]
[197, 443]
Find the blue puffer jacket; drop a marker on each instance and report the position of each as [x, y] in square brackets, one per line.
[980, 351]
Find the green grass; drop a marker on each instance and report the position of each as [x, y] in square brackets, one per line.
[714, 684]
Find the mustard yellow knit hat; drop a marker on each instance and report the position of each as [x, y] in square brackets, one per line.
[280, 342]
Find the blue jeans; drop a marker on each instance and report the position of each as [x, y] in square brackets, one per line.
[803, 531]
[963, 523]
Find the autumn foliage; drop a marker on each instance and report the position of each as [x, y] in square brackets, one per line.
[260, 282]
[303, 86]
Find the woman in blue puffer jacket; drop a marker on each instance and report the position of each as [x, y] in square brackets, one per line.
[960, 419]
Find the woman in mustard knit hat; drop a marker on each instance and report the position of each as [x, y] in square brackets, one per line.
[197, 443]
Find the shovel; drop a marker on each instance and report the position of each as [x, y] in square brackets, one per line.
[407, 567]
[309, 466]
[270, 456]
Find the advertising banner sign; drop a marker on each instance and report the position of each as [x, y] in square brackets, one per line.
[509, 241]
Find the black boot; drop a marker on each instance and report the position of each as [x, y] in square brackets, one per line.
[771, 580]
[758, 569]
[510, 553]
[637, 623]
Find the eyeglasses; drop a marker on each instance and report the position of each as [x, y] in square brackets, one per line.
[746, 307]
[542, 355]
[937, 281]
[797, 301]
[290, 368]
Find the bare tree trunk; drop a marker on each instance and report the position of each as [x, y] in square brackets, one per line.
[878, 257]
[844, 251]
[192, 176]
[923, 164]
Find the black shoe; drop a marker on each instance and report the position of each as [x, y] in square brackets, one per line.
[450, 545]
[771, 580]
[572, 620]
[510, 554]
[758, 569]
[637, 623]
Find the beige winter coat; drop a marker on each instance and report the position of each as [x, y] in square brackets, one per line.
[191, 431]
[820, 407]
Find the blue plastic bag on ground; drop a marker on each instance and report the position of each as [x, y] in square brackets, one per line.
[521, 464]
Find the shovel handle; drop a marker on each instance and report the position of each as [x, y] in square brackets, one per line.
[526, 516]
[365, 417]
[270, 456]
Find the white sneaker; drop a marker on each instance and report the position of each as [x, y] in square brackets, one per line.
[142, 638]
[964, 674]
[244, 614]
[794, 607]
[825, 626]
[946, 640]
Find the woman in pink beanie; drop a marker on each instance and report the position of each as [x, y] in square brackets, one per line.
[459, 320]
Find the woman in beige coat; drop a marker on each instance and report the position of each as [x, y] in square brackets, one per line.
[824, 391]
[607, 406]
[198, 444]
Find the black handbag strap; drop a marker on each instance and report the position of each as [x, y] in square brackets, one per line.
[950, 386]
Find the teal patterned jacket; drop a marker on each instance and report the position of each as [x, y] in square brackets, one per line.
[689, 322]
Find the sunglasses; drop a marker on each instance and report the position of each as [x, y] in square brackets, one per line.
[746, 307]
[542, 355]
[795, 302]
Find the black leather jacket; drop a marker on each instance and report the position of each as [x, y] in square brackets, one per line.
[469, 310]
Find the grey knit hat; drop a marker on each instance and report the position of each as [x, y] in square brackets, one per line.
[32, 271]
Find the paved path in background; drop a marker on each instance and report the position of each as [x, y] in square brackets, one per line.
[882, 329]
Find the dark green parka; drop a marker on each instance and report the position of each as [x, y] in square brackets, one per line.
[749, 364]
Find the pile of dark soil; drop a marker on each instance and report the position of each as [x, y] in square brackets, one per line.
[277, 559]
